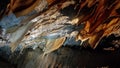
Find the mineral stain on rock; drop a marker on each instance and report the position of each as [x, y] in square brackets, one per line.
[59, 34]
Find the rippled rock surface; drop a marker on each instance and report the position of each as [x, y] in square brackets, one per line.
[63, 34]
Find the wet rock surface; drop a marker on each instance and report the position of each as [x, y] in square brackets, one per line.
[69, 57]
[64, 57]
[60, 34]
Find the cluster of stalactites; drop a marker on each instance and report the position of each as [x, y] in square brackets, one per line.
[101, 17]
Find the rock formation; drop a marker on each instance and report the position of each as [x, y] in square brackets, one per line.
[52, 26]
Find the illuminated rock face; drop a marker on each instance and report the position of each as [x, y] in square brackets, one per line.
[82, 20]
[50, 24]
[48, 29]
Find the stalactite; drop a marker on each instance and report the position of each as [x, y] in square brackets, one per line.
[49, 25]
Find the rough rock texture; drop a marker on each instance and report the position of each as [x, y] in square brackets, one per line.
[60, 33]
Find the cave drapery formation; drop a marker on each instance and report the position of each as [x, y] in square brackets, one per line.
[50, 24]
